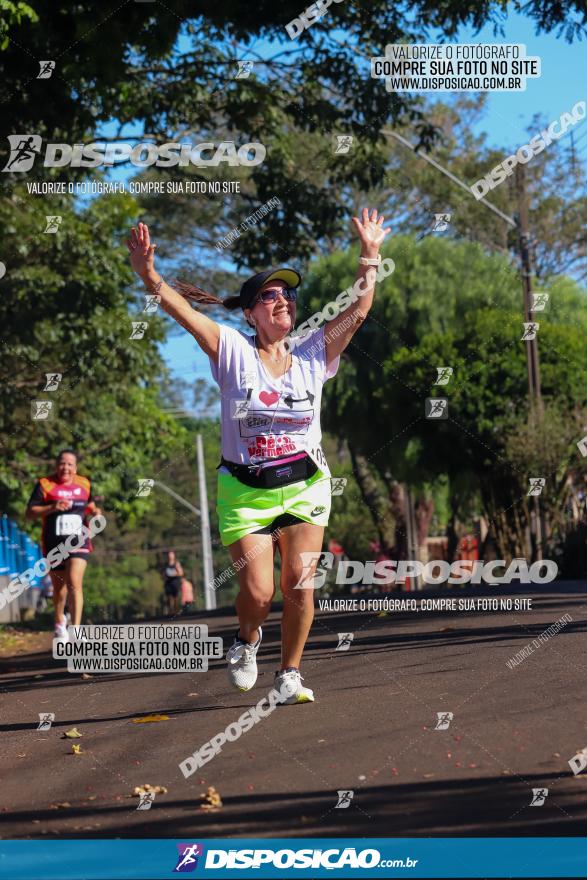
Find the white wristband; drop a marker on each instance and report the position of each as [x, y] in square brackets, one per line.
[370, 261]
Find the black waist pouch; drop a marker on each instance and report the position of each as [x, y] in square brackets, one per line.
[272, 474]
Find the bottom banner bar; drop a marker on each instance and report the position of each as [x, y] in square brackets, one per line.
[294, 857]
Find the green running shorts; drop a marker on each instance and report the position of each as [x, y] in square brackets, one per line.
[242, 509]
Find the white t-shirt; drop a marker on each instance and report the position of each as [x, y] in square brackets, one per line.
[275, 416]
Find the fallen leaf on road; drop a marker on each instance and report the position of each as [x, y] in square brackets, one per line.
[445, 629]
[21, 756]
[76, 750]
[149, 718]
[60, 806]
[211, 800]
[72, 734]
[193, 695]
[428, 775]
[147, 787]
[86, 675]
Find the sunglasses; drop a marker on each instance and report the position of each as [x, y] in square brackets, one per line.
[270, 296]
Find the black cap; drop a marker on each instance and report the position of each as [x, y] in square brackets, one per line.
[251, 288]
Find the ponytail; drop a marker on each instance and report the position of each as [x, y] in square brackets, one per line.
[201, 297]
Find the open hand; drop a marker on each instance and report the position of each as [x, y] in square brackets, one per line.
[142, 252]
[371, 232]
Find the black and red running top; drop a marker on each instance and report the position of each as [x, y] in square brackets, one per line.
[58, 525]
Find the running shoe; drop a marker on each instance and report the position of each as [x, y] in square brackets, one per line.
[242, 663]
[61, 631]
[289, 684]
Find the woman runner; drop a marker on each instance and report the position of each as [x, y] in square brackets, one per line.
[64, 501]
[274, 481]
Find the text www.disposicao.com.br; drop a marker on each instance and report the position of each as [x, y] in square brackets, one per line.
[135, 664]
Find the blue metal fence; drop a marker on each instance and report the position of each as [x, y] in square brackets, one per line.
[17, 551]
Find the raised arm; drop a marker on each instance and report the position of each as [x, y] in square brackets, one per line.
[339, 332]
[205, 331]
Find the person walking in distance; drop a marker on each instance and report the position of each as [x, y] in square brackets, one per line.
[173, 574]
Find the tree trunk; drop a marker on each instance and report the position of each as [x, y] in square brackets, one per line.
[424, 511]
[397, 497]
[452, 529]
[376, 502]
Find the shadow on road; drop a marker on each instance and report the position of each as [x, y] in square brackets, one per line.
[493, 806]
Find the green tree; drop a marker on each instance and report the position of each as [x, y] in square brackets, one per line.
[451, 304]
[66, 308]
[172, 72]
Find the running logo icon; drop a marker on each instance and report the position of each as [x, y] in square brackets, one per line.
[530, 331]
[436, 408]
[244, 69]
[444, 719]
[52, 381]
[444, 374]
[146, 800]
[53, 222]
[539, 302]
[344, 641]
[240, 408]
[343, 143]
[46, 719]
[188, 857]
[138, 329]
[337, 485]
[539, 795]
[24, 149]
[46, 69]
[537, 484]
[41, 410]
[344, 799]
[152, 301]
[441, 222]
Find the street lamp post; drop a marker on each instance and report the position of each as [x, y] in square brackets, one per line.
[208, 563]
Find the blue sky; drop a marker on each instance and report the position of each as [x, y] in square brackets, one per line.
[562, 83]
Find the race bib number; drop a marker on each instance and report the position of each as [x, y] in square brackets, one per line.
[69, 524]
[319, 458]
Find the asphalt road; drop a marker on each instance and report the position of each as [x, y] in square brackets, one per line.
[371, 731]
